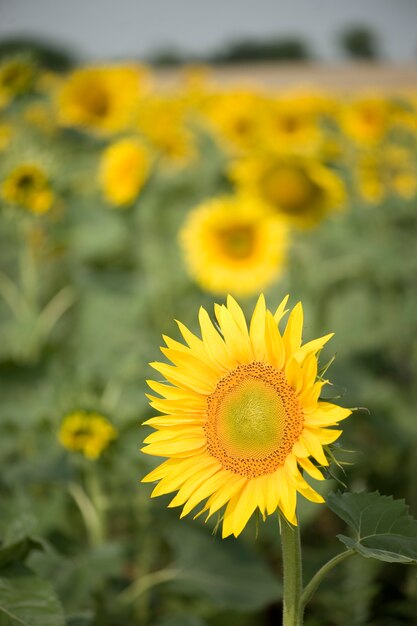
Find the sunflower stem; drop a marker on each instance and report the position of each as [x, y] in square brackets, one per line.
[291, 559]
[318, 576]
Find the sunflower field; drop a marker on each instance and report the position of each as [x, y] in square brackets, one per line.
[126, 203]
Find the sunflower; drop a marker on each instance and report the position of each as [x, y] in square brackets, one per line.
[162, 120]
[6, 134]
[235, 117]
[233, 244]
[101, 98]
[389, 171]
[301, 189]
[124, 169]
[88, 433]
[241, 416]
[17, 76]
[292, 124]
[28, 186]
[366, 120]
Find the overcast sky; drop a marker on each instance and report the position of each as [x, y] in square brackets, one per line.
[99, 29]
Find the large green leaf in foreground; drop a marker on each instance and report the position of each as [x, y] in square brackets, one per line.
[28, 600]
[383, 528]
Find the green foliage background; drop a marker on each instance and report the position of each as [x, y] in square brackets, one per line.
[86, 296]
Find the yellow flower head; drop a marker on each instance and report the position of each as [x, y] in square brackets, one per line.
[124, 169]
[392, 170]
[304, 191]
[162, 120]
[41, 117]
[291, 124]
[366, 120]
[28, 187]
[233, 244]
[235, 118]
[16, 78]
[241, 416]
[6, 134]
[101, 99]
[88, 433]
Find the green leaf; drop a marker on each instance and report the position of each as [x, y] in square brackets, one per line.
[183, 619]
[27, 600]
[226, 571]
[18, 541]
[382, 527]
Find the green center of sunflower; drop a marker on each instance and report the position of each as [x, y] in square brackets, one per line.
[251, 419]
[236, 241]
[254, 418]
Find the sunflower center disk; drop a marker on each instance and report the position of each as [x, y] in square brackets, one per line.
[237, 242]
[253, 420]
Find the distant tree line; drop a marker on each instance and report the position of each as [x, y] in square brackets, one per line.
[356, 42]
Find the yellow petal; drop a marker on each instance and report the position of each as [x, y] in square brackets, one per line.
[236, 341]
[194, 342]
[188, 379]
[312, 347]
[191, 484]
[182, 448]
[216, 347]
[312, 443]
[280, 312]
[168, 391]
[306, 490]
[309, 397]
[161, 421]
[165, 434]
[293, 374]
[293, 331]
[325, 435]
[232, 484]
[158, 473]
[271, 492]
[327, 414]
[274, 343]
[257, 329]
[310, 468]
[237, 314]
[245, 506]
[189, 364]
[204, 491]
[287, 496]
[194, 405]
[228, 520]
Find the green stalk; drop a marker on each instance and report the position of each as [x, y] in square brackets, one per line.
[291, 559]
[88, 512]
[318, 576]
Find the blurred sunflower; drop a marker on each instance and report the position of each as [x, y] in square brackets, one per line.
[40, 115]
[162, 120]
[88, 433]
[392, 170]
[6, 134]
[17, 75]
[235, 118]
[242, 416]
[101, 98]
[366, 120]
[124, 169]
[292, 123]
[302, 190]
[233, 244]
[28, 187]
